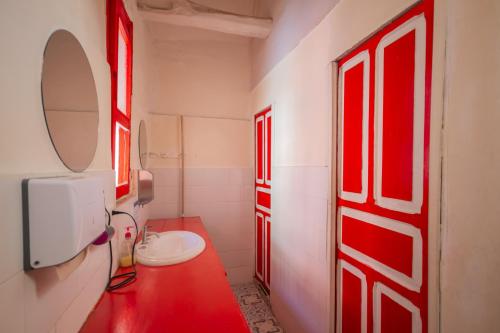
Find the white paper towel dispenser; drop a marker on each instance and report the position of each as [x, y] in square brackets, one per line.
[61, 217]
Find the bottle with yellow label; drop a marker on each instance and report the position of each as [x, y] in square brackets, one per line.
[126, 250]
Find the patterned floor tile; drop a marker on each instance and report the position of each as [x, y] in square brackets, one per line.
[255, 306]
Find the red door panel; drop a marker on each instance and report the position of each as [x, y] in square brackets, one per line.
[267, 281]
[394, 318]
[393, 313]
[382, 155]
[259, 245]
[400, 112]
[259, 150]
[351, 309]
[389, 246]
[267, 143]
[263, 166]
[353, 130]
[263, 199]
[397, 132]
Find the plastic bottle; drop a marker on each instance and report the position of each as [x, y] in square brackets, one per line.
[126, 250]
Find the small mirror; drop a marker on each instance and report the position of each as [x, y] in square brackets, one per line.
[143, 144]
[70, 100]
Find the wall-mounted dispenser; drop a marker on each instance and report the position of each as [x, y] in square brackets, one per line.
[61, 217]
[145, 188]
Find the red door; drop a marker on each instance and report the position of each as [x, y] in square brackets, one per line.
[263, 131]
[383, 159]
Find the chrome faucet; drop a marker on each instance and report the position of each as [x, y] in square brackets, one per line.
[145, 234]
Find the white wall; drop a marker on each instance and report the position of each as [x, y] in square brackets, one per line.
[471, 246]
[219, 188]
[53, 300]
[467, 75]
[217, 182]
[299, 89]
[193, 76]
[205, 76]
[292, 21]
[164, 162]
[199, 72]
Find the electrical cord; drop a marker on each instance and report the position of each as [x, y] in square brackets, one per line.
[127, 277]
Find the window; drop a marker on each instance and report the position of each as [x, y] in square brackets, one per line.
[119, 46]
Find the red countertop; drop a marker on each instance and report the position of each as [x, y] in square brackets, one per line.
[191, 297]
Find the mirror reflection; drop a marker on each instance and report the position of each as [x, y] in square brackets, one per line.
[70, 100]
[143, 144]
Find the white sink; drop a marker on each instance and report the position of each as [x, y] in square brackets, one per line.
[169, 248]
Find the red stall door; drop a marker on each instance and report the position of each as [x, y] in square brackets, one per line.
[383, 159]
[263, 196]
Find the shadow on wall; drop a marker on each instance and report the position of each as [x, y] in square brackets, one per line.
[45, 279]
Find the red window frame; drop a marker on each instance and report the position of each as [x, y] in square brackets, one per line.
[119, 23]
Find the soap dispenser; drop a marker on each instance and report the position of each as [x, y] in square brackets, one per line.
[126, 250]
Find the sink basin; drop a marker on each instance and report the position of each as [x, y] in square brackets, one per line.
[169, 248]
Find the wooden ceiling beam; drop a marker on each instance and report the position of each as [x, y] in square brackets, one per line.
[187, 16]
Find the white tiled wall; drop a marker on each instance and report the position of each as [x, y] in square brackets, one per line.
[217, 179]
[299, 283]
[48, 299]
[76, 314]
[166, 194]
[11, 304]
[44, 301]
[223, 198]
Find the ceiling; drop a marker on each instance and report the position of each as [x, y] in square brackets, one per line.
[161, 32]
[241, 7]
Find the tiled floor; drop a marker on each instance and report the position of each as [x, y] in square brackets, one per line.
[255, 307]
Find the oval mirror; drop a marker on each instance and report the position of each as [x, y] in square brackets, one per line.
[143, 144]
[70, 100]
